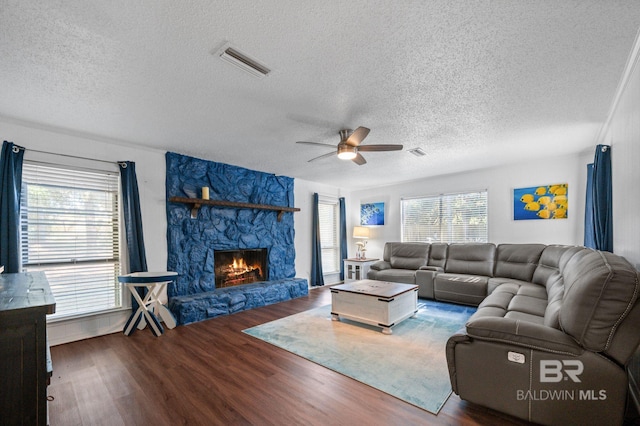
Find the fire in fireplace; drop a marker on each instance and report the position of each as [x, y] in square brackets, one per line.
[236, 267]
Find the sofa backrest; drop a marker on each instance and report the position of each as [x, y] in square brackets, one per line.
[438, 254]
[600, 289]
[517, 261]
[547, 274]
[471, 258]
[548, 265]
[406, 255]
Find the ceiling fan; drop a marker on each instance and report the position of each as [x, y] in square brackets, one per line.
[349, 147]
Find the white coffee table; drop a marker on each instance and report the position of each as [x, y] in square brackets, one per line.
[379, 303]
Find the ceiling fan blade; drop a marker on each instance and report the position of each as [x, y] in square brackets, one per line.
[357, 136]
[372, 148]
[359, 160]
[323, 156]
[316, 143]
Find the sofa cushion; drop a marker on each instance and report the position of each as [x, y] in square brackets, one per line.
[458, 288]
[549, 264]
[407, 255]
[471, 259]
[517, 261]
[528, 305]
[521, 301]
[438, 255]
[524, 316]
[552, 311]
[600, 289]
[406, 276]
[380, 265]
[496, 282]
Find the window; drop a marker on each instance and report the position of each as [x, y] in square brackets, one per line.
[329, 240]
[70, 230]
[446, 218]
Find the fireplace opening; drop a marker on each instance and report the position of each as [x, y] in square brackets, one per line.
[242, 266]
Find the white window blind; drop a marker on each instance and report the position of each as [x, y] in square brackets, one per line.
[70, 230]
[447, 218]
[328, 215]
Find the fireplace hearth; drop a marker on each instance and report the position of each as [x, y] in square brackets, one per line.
[241, 266]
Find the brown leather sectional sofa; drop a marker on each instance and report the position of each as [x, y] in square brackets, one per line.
[554, 331]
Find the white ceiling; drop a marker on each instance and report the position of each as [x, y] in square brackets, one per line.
[474, 83]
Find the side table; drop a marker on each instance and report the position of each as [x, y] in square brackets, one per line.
[149, 307]
[357, 269]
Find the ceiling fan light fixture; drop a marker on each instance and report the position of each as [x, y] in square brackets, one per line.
[346, 152]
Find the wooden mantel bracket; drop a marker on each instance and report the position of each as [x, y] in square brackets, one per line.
[196, 203]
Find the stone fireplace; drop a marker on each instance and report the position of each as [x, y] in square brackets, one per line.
[194, 245]
[241, 266]
[193, 242]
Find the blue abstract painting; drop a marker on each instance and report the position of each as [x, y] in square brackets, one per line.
[372, 214]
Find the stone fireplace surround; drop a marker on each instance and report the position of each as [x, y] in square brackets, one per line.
[192, 242]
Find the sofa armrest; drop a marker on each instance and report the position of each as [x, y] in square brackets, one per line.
[432, 268]
[380, 265]
[424, 280]
[523, 333]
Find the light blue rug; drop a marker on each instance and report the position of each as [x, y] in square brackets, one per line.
[410, 364]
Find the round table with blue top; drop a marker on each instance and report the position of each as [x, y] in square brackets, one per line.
[149, 305]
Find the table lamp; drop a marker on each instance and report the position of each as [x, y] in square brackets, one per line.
[360, 232]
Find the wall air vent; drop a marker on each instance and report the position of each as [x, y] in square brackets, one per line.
[418, 152]
[244, 62]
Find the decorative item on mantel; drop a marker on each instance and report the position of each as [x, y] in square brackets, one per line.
[205, 192]
[197, 203]
[360, 232]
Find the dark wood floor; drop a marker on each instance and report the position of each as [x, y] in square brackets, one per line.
[211, 373]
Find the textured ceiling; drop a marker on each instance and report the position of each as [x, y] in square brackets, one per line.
[474, 83]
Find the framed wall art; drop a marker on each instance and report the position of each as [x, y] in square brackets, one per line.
[372, 214]
[541, 202]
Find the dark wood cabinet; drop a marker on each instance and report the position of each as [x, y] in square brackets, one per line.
[25, 300]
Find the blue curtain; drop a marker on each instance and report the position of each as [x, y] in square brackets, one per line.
[316, 250]
[11, 185]
[132, 221]
[598, 209]
[602, 200]
[343, 236]
[589, 226]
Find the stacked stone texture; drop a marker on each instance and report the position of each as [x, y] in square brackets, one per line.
[191, 242]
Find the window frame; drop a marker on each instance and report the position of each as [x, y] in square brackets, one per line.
[335, 245]
[109, 259]
[443, 235]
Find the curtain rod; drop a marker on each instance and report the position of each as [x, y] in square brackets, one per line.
[17, 148]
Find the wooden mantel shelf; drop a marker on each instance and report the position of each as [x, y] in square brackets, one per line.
[196, 203]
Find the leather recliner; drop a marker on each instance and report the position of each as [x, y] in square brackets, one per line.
[554, 330]
[554, 352]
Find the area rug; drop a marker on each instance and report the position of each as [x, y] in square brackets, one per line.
[409, 364]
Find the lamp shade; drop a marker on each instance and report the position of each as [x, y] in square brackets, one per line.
[360, 232]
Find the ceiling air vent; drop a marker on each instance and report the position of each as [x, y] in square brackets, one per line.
[418, 152]
[244, 62]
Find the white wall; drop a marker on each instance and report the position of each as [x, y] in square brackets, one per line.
[622, 132]
[499, 182]
[303, 195]
[150, 169]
